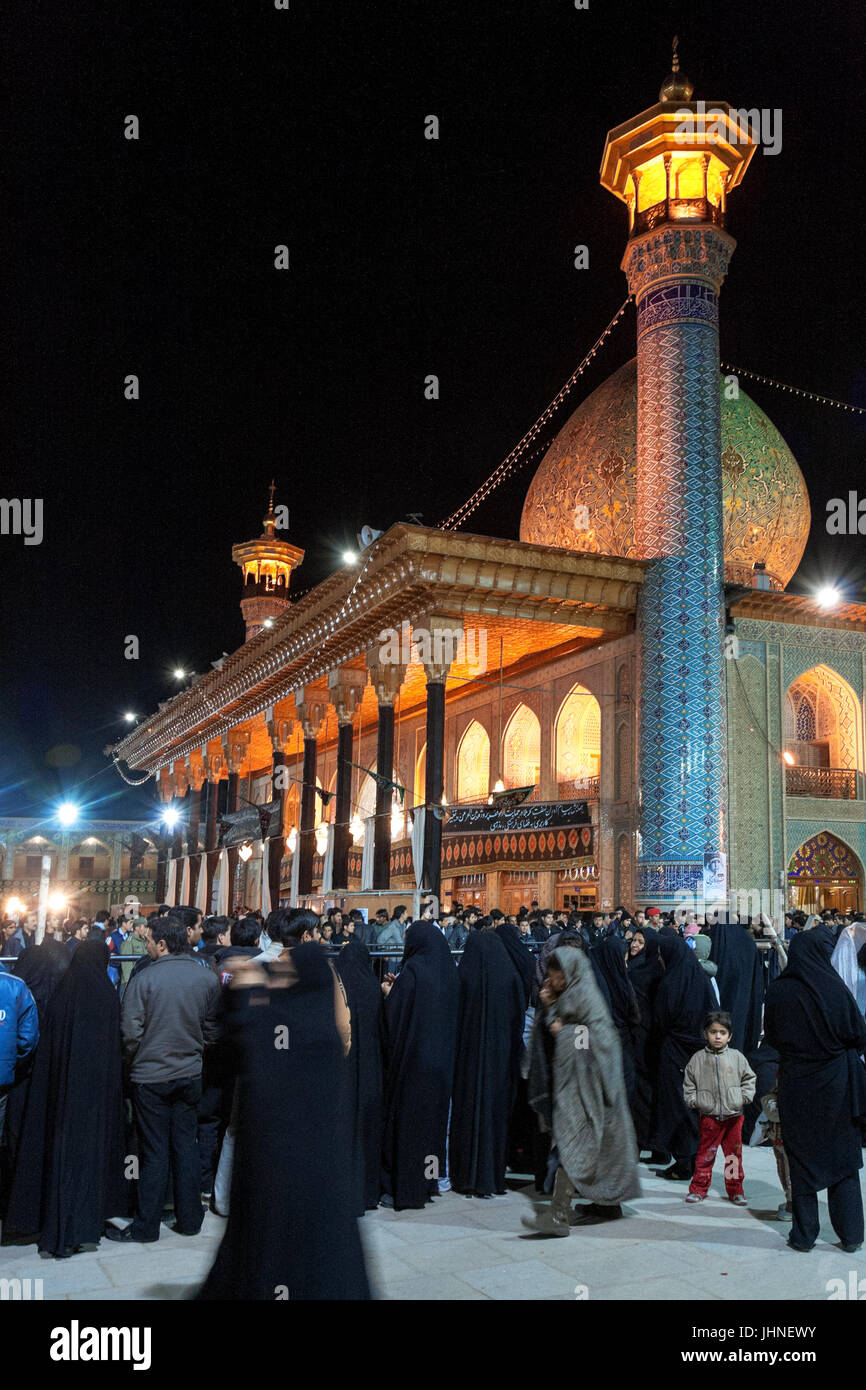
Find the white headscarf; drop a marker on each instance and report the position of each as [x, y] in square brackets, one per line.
[844, 961]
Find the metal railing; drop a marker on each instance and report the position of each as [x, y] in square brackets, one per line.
[579, 789]
[677, 210]
[833, 783]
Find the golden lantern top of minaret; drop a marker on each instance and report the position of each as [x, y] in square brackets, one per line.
[266, 564]
[677, 161]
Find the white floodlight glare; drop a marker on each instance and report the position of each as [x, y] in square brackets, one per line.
[827, 596]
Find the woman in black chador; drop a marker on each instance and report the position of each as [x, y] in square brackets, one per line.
[420, 1036]
[813, 1021]
[364, 998]
[296, 1239]
[645, 970]
[69, 1175]
[487, 1066]
[608, 962]
[683, 999]
[740, 981]
[42, 968]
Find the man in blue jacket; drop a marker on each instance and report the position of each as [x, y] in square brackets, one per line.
[19, 1034]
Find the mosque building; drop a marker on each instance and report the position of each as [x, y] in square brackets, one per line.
[669, 720]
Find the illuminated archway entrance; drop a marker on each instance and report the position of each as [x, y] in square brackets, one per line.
[825, 872]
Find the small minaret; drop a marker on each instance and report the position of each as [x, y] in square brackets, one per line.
[674, 166]
[266, 565]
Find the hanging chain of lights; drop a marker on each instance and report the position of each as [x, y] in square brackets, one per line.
[518, 456]
[128, 780]
[794, 390]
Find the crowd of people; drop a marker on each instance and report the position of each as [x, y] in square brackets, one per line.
[150, 1067]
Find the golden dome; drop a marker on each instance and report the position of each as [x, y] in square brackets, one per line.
[584, 494]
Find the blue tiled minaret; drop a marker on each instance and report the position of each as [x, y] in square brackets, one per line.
[674, 172]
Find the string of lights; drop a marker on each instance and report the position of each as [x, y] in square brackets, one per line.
[518, 455]
[794, 390]
[757, 723]
[128, 780]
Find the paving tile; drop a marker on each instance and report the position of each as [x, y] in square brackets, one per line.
[446, 1287]
[192, 1264]
[469, 1253]
[530, 1279]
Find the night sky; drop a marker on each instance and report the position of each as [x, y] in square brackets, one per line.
[408, 257]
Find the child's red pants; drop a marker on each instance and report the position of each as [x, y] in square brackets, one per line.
[714, 1133]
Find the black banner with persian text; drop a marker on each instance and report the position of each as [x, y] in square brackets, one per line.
[531, 815]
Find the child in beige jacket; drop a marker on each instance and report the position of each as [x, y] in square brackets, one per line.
[719, 1084]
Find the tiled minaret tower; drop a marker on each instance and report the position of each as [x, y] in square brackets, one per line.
[674, 166]
[266, 564]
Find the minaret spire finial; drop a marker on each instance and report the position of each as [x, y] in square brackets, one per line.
[270, 520]
[676, 86]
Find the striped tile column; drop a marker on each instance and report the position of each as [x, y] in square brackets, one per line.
[675, 274]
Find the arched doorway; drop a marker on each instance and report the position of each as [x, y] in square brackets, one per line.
[825, 872]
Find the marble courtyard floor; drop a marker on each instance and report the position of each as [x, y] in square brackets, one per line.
[459, 1248]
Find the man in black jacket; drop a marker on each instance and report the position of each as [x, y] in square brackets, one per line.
[168, 1016]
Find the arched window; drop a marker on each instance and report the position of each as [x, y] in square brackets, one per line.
[521, 749]
[823, 714]
[473, 764]
[578, 739]
[806, 721]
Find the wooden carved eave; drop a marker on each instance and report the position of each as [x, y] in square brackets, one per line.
[794, 608]
[408, 572]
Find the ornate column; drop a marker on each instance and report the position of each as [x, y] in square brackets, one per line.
[386, 677]
[212, 764]
[311, 711]
[196, 780]
[161, 866]
[346, 688]
[179, 788]
[235, 745]
[436, 672]
[279, 732]
[548, 786]
[63, 856]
